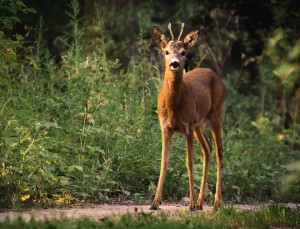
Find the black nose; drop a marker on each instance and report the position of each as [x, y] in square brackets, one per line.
[175, 64]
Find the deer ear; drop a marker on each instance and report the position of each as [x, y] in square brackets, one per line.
[159, 38]
[191, 38]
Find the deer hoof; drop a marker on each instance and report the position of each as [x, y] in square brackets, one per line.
[153, 208]
[200, 208]
[218, 205]
[192, 209]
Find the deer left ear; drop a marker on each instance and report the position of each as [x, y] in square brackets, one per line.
[191, 38]
[159, 37]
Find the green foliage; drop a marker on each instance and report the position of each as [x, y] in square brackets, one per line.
[71, 133]
[11, 45]
[86, 129]
[9, 13]
[217, 50]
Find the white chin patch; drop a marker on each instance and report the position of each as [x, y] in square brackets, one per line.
[174, 69]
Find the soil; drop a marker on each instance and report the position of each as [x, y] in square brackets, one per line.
[103, 211]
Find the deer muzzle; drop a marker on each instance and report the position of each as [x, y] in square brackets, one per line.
[175, 65]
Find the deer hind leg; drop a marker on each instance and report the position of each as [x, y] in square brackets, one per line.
[206, 151]
[189, 165]
[166, 142]
[216, 126]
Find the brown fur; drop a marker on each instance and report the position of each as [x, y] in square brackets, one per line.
[185, 102]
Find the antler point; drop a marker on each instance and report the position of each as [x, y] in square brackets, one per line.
[170, 29]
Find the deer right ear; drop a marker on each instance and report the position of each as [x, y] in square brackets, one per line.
[191, 38]
[159, 38]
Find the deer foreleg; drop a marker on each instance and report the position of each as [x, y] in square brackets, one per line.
[206, 151]
[166, 142]
[216, 129]
[189, 165]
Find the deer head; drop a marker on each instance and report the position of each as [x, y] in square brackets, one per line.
[174, 49]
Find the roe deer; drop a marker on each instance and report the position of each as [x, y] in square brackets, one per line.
[184, 103]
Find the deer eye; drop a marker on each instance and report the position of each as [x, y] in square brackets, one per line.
[183, 53]
[167, 53]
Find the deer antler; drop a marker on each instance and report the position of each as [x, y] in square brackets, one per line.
[182, 26]
[170, 29]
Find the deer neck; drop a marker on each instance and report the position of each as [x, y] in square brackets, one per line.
[172, 87]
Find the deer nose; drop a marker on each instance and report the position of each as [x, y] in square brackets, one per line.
[175, 64]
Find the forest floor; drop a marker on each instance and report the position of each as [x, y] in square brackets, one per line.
[103, 211]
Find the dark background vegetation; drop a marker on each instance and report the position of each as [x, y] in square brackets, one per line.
[79, 81]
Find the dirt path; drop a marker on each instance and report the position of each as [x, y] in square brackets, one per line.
[102, 211]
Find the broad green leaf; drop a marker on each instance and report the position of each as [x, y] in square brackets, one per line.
[127, 193]
[78, 167]
[63, 180]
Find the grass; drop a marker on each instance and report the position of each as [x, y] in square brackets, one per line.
[269, 216]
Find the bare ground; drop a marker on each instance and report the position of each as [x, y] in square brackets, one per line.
[103, 211]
